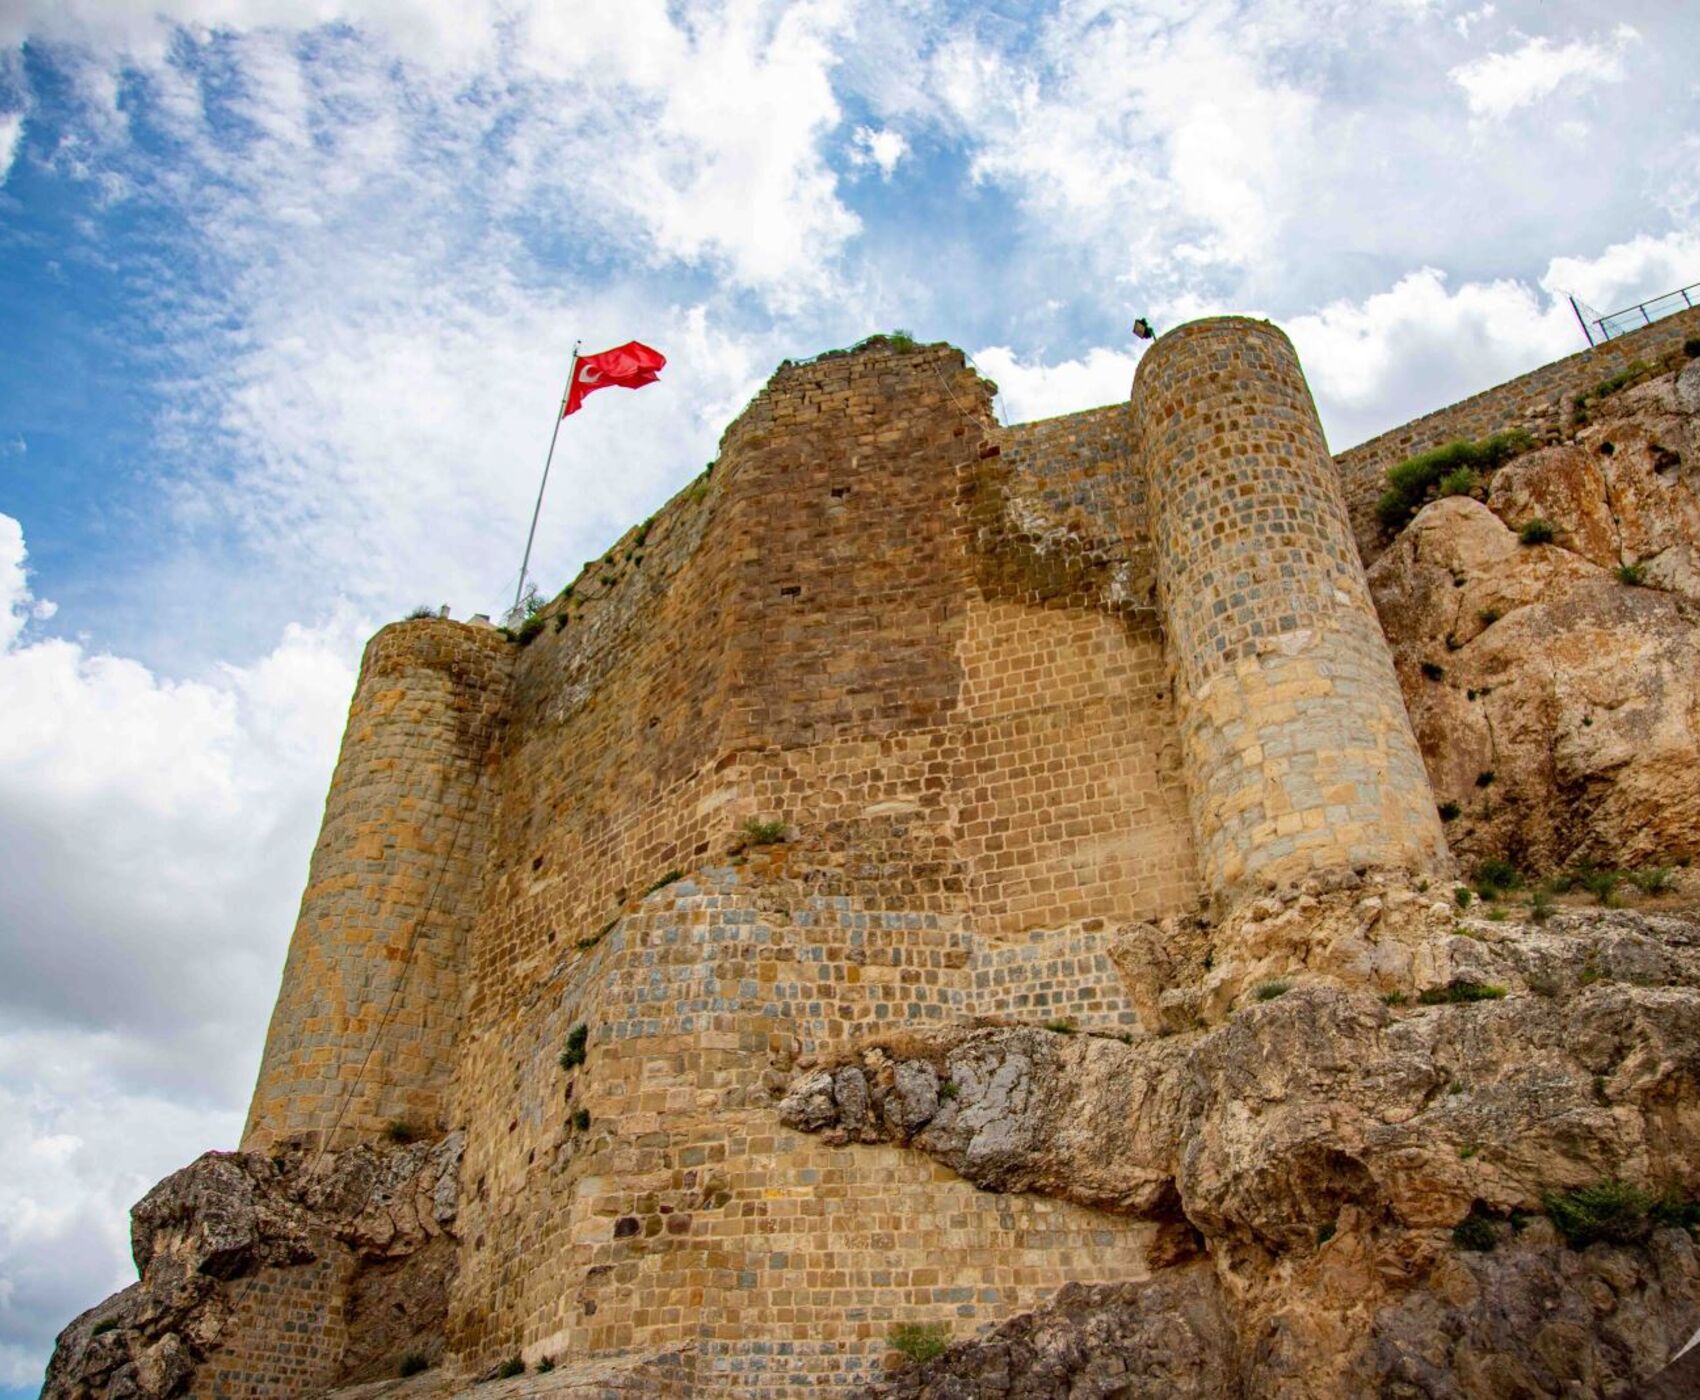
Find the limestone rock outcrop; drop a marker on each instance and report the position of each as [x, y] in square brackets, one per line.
[232, 1226]
[1553, 697]
[1323, 1137]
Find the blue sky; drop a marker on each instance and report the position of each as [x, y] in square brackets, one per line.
[288, 291]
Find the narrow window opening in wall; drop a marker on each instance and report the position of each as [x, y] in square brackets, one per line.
[537, 862]
[838, 491]
[791, 590]
[653, 721]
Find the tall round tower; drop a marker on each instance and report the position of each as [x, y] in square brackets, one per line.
[363, 1032]
[1299, 752]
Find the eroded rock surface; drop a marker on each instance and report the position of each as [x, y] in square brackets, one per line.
[383, 1217]
[1321, 1145]
[1556, 704]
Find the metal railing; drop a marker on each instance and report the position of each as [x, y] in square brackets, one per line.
[1600, 328]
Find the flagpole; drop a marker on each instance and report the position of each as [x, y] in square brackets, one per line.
[537, 510]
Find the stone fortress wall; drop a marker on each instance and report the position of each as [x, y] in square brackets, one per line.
[1013, 705]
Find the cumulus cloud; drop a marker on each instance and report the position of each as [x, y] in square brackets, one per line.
[1497, 84]
[1032, 389]
[880, 147]
[153, 840]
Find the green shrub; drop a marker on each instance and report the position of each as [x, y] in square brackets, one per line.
[1632, 574]
[1433, 672]
[1673, 1210]
[1450, 811]
[1460, 991]
[1475, 1231]
[513, 1366]
[581, 1119]
[1457, 483]
[527, 632]
[1612, 1211]
[1488, 616]
[1061, 1027]
[756, 832]
[412, 1364]
[1411, 482]
[1268, 991]
[545, 1364]
[1326, 1232]
[1535, 532]
[1541, 905]
[105, 1325]
[919, 1341]
[1394, 999]
[900, 340]
[1484, 778]
[401, 1132]
[1497, 875]
[1461, 897]
[578, 1039]
[1652, 879]
[1632, 374]
[420, 613]
[1600, 882]
[949, 1090]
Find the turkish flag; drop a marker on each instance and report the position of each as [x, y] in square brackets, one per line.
[631, 366]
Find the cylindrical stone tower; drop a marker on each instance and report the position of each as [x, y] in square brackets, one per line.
[1299, 752]
[363, 1032]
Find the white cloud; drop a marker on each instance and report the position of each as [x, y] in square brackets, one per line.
[153, 839]
[879, 147]
[1379, 361]
[1159, 132]
[1628, 272]
[1036, 390]
[11, 140]
[1497, 84]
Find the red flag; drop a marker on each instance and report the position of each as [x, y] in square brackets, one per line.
[631, 366]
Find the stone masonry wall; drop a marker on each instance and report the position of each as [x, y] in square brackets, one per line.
[1298, 751]
[1540, 400]
[682, 1216]
[366, 1024]
[864, 625]
[285, 1335]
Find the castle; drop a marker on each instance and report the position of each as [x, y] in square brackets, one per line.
[1006, 694]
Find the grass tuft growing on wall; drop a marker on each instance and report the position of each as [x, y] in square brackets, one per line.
[919, 1341]
[1444, 471]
